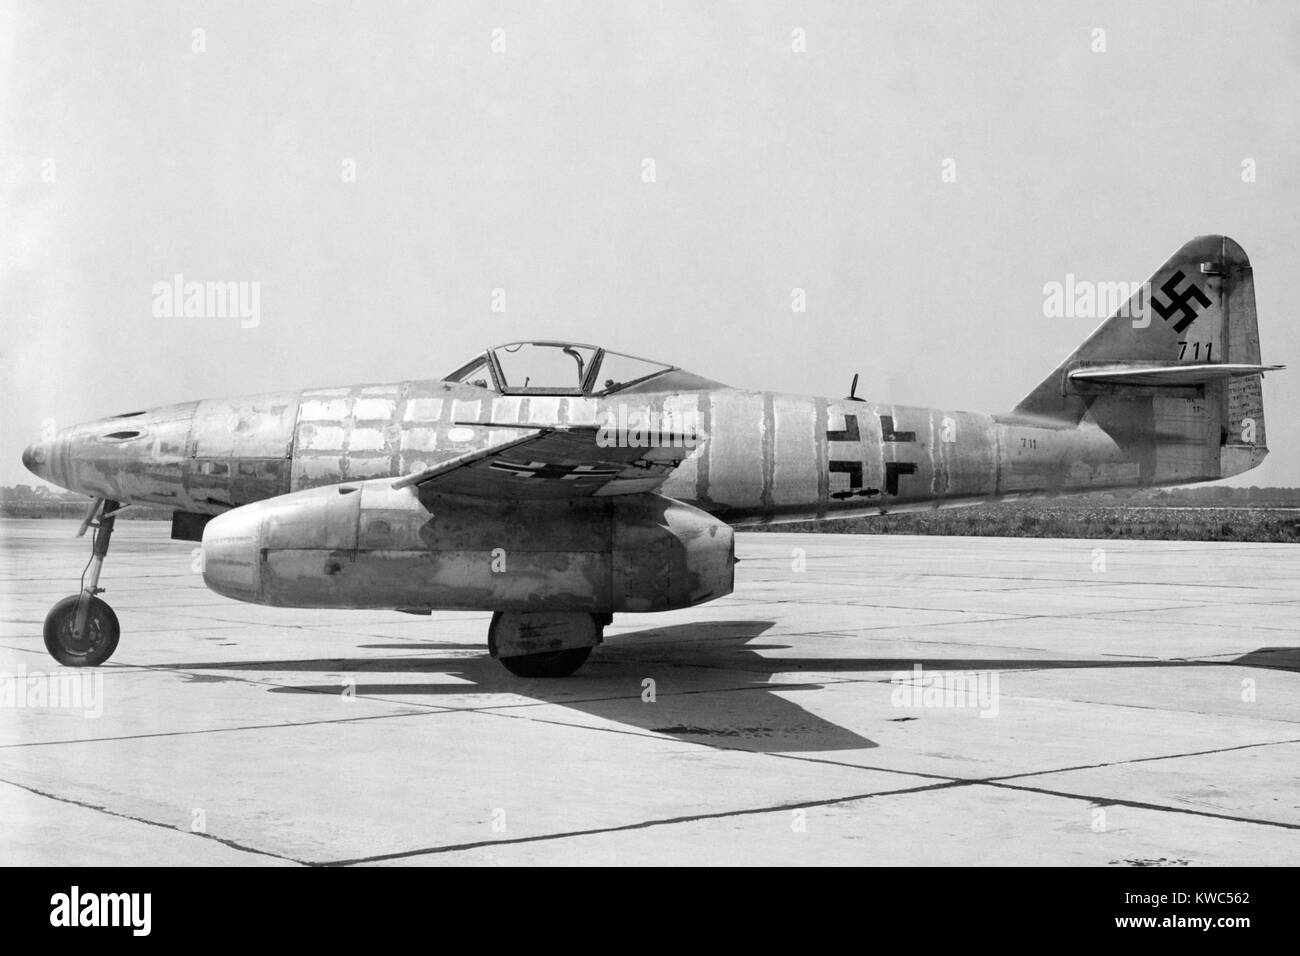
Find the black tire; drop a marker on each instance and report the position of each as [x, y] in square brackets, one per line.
[96, 645]
[547, 664]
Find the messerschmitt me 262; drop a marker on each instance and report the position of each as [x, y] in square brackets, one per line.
[555, 484]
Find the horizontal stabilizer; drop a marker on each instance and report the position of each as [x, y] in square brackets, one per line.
[1166, 375]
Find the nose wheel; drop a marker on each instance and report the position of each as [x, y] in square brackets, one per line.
[82, 630]
[92, 643]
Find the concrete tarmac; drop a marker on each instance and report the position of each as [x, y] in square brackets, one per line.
[1124, 703]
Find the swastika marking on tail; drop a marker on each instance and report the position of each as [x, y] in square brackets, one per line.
[1180, 301]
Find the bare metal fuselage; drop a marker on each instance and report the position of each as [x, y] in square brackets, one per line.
[759, 456]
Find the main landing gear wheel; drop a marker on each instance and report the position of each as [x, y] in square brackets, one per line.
[95, 642]
[513, 639]
[547, 663]
[82, 630]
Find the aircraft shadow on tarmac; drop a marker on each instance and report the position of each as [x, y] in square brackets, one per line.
[713, 686]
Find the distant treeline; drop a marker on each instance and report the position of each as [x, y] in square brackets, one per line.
[24, 501]
[1206, 513]
[1210, 513]
[1212, 496]
[1067, 518]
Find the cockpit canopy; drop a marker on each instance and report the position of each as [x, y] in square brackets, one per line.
[567, 368]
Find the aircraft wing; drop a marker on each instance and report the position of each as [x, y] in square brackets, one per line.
[561, 461]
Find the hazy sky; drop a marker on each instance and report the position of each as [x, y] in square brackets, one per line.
[129, 156]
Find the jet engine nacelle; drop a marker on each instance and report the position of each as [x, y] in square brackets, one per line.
[369, 545]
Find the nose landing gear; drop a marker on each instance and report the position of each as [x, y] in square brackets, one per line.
[82, 630]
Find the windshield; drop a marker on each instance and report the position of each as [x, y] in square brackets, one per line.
[477, 372]
[545, 366]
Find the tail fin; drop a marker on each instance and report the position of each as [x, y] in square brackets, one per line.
[1174, 375]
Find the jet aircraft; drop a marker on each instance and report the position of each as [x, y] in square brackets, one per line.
[556, 484]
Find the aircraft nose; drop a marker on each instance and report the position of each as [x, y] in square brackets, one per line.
[36, 458]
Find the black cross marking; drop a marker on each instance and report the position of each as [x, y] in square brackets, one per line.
[892, 470]
[852, 468]
[850, 432]
[544, 469]
[854, 471]
[895, 468]
[887, 432]
[1179, 300]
